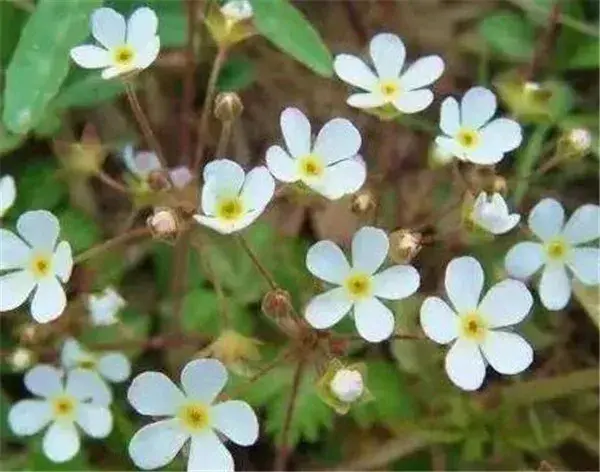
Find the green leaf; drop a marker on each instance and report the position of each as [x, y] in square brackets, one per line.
[508, 33]
[283, 25]
[162, 256]
[585, 56]
[79, 229]
[11, 22]
[237, 73]
[41, 60]
[39, 187]
[86, 90]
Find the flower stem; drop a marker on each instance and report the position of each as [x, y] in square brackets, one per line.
[419, 124]
[112, 183]
[189, 83]
[224, 139]
[263, 371]
[111, 243]
[261, 268]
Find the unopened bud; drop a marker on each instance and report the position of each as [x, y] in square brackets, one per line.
[580, 139]
[499, 185]
[363, 202]
[404, 245]
[164, 223]
[158, 180]
[347, 385]
[228, 106]
[277, 303]
[29, 333]
[234, 350]
[21, 359]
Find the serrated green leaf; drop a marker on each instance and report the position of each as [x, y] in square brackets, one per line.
[236, 74]
[79, 229]
[41, 60]
[509, 34]
[284, 25]
[39, 187]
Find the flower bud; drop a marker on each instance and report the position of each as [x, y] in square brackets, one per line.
[573, 144]
[277, 303]
[234, 350]
[404, 245]
[499, 185]
[164, 223]
[158, 180]
[580, 139]
[21, 359]
[347, 385]
[228, 106]
[363, 202]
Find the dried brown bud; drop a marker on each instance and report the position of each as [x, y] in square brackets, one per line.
[158, 180]
[277, 304]
[164, 223]
[363, 202]
[404, 245]
[228, 106]
[499, 185]
[30, 333]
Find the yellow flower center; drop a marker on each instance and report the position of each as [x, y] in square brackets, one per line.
[359, 285]
[87, 363]
[473, 326]
[63, 406]
[123, 55]
[468, 138]
[41, 265]
[194, 416]
[311, 166]
[389, 89]
[557, 249]
[230, 209]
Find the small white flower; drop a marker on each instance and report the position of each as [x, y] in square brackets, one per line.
[493, 214]
[125, 47]
[331, 167]
[35, 263]
[580, 139]
[101, 368]
[471, 134]
[560, 251]
[232, 200]
[237, 10]
[66, 408]
[359, 286]
[8, 194]
[21, 359]
[189, 415]
[180, 176]
[141, 163]
[104, 307]
[347, 385]
[389, 85]
[474, 325]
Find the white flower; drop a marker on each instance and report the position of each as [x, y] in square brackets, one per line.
[347, 385]
[141, 163]
[330, 167]
[580, 139]
[125, 47]
[359, 286]
[237, 10]
[180, 176]
[104, 307]
[35, 263]
[189, 415]
[66, 408]
[232, 200]
[404, 90]
[110, 366]
[471, 134]
[8, 194]
[560, 251]
[493, 215]
[21, 359]
[474, 325]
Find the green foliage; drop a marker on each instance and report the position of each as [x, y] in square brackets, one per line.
[11, 22]
[509, 34]
[79, 229]
[39, 187]
[162, 257]
[237, 73]
[85, 89]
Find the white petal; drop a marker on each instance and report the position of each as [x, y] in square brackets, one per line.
[584, 225]
[39, 228]
[414, 101]
[397, 282]
[374, 321]
[14, 253]
[450, 116]
[62, 261]
[227, 177]
[203, 379]
[108, 27]
[15, 287]
[86, 384]
[337, 140]
[451, 146]
[258, 188]
[502, 134]
[114, 366]
[228, 227]
[157, 444]
[326, 261]
[422, 73]
[296, 131]
[585, 264]
[369, 249]
[524, 259]
[546, 219]
[507, 353]
[342, 178]
[207, 452]
[366, 100]
[95, 420]
[8, 194]
[326, 309]
[464, 282]
[49, 300]
[281, 165]
[388, 54]
[210, 197]
[506, 303]
[146, 162]
[505, 224]
[236, 420]
[44, 380]
[27, 417]
[61, 442]
[111, 72]
[464, 365]
[555, 287]
[153, 393]
[90, 57]
[148, 54]
[477, 107]
[71, 353]
[438, 320]
[354, 71]
[486, 154]
[141, 27]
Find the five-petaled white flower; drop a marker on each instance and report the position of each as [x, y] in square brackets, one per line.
[493, 215]
[347, 385]
[104, 307]
[232, 200]
[560, 251]
[389, 86]
[474, 325]
[35, 263]
[471, 134]
[110, 366]
[359, 286]
[125, 47]
[66, 408]
[330, 167]
[8, 193]
[237, 10]
[190, 415]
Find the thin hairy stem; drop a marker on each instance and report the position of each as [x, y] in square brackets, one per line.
[261, 373]
[224, 139]
[179, 275]
[261, 268]
[189, 83]
[112, 243]
[112, 183]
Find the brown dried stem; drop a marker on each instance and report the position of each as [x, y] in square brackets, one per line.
[112, 243]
